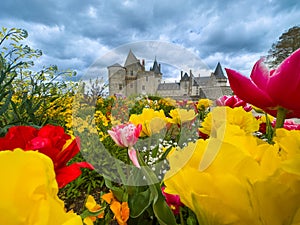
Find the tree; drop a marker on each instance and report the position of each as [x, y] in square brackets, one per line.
[288, 43]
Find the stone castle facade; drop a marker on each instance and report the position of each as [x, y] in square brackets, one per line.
[133, 79]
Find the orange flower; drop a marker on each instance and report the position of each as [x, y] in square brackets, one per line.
[120, 210]
[109, 197]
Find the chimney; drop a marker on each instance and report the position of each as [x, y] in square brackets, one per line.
[190, 72]
[181, 74]
[143, 62]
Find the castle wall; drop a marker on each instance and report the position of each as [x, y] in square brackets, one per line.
[147, 82]
[116, 80]
[216, 92]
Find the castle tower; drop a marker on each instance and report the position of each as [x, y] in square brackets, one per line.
[155, 68]
[116, 78]
[219, 76]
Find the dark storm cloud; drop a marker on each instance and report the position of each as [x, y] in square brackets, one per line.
[75, 33]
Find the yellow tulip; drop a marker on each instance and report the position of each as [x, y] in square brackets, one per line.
[245, 182]
[29, 190]
[204, 103]
[180, 116]
[229, 116]
[152, 121]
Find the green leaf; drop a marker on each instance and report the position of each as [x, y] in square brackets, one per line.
[139, 202]
[163, 212]
[6, 104]
[119, 192]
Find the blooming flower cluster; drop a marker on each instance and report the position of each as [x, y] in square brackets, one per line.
[240, 178]
[241, 168]
[51, 141]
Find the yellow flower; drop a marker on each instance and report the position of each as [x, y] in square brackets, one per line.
[29, 190]
[204, 103]
[16, 98]
[167, 101]
[245, 182]
[226, 116]
[152, 121]
[180, 116]
[289, 142]
[93, 207]
[100, 118]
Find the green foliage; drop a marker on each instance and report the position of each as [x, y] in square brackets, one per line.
[288, 42]
[26, 95]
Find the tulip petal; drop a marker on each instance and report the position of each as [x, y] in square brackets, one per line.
[115, 138]
[69, 173]
[284, 83]
[260, 74]
[133, 157]
[247, 90]
[67, 154]
[17, 137]
[85, 165]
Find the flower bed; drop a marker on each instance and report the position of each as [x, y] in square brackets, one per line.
[151, 160]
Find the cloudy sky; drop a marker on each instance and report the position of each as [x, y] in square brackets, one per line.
[78, 35]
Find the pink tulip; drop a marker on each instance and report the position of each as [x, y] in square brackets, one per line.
[288, 125]
[271, 89]
[232, 102]
[126, 135]
[133, 157]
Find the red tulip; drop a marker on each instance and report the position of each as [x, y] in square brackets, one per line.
[232, 102]
[51, 141]
[271, 89]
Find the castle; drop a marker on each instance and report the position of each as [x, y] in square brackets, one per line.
[133, 78]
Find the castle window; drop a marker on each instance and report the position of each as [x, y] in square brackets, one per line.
[120, 86]
[131, 72]
[146, 78]
[143, 87]
[131, 85]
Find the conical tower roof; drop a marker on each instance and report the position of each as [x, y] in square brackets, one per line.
[219, 72]
[131, 59]
[155, 67]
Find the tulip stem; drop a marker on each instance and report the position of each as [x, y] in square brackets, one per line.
[281, 114]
